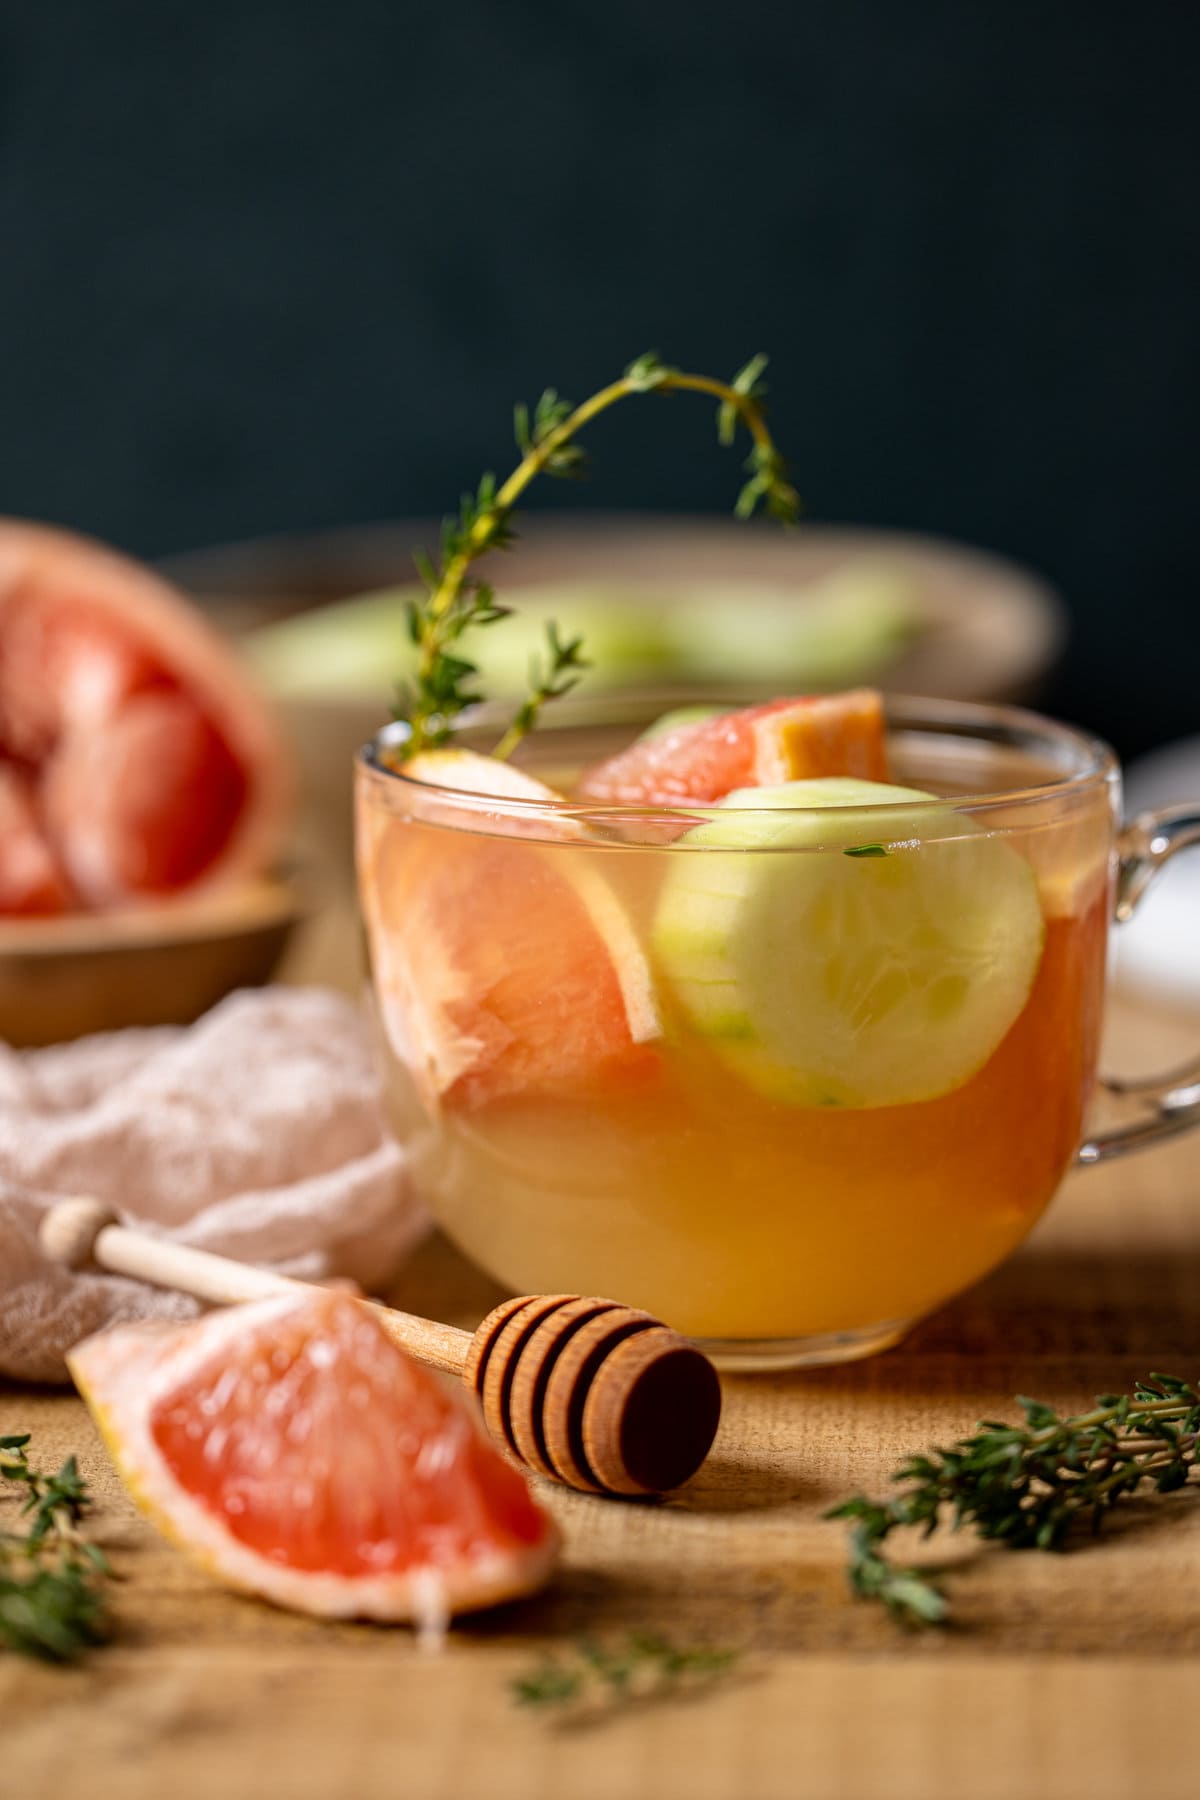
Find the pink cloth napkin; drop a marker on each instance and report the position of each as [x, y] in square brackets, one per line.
[258, 1132]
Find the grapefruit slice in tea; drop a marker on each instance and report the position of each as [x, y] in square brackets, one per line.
[503, 964]
[299, 1454]
[155, 762]
[702, 760]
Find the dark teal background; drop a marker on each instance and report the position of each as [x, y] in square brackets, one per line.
[277, 265]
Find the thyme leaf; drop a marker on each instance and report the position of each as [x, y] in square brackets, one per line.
[563, 670]
[1030, 1486]
[52, 1580]
[642, 1666]
[596, 1676]
[454, 602]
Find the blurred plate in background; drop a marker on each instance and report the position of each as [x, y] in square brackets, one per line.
[693, 605]
[950, 620]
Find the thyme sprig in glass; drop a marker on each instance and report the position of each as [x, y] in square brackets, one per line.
[1030, 1487]
[454, 601]
[52, 1580]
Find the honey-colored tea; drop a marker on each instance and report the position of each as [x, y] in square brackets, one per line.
[696, 1078]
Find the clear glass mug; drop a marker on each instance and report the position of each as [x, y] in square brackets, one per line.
[578, 1124]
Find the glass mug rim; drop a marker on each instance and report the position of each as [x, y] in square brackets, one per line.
[1089, 763]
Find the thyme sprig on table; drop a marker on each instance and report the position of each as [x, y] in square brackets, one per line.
[52, 1580]
[595, 1676]
[1027, 1486]
[454, 601]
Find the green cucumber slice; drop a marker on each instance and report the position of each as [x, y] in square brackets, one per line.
[867, 957]
[676, 719]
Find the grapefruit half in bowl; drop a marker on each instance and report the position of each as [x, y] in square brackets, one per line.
[150, 763]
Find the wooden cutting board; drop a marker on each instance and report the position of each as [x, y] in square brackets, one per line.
[1064, 1678]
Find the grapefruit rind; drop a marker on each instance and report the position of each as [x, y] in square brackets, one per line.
[124, 1373]
[467, 772]
[822, 736]
[827, 979]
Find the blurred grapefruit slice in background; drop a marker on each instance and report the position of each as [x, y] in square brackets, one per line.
[147, 758]
[297, 1453]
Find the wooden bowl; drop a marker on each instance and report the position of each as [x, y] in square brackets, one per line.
[62, 978]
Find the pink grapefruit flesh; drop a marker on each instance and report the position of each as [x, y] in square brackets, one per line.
[31, 881]
[503, 966]
[147, 804]
[298, 1453]
[151, 761]
[797, 739]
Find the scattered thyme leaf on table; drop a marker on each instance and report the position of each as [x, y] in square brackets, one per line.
[442, 686]
[597, 1678]
[1027, 1486]
[52, 1580]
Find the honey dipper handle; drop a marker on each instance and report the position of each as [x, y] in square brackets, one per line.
[79, 1232]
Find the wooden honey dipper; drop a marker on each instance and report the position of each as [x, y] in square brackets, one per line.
[590, 1393]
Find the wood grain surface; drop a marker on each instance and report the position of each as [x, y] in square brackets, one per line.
[1062, 1678]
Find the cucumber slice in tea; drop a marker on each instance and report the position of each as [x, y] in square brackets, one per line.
[848, 945]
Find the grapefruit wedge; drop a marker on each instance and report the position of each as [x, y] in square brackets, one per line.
[298, 1454]
[503, 964]
[701, 760]
[151, 761]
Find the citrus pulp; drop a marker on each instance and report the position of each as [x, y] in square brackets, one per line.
[299, 1454]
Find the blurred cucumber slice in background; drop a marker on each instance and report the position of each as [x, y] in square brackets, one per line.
[361, 646]
[830, 632]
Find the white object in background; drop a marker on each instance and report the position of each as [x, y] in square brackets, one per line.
[1158, 952]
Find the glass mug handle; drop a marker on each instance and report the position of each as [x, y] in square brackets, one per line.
[1171, 1103]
